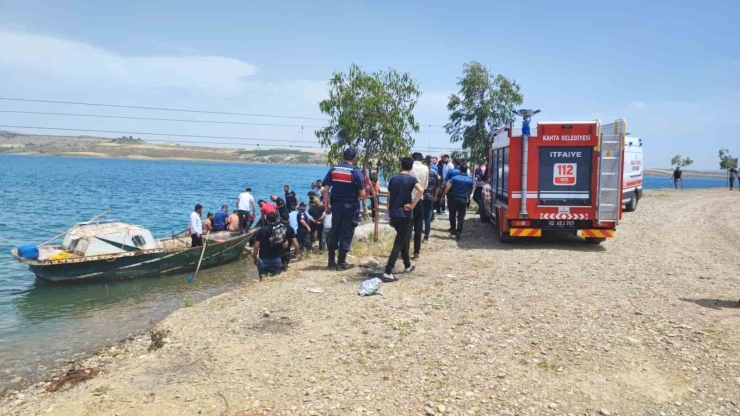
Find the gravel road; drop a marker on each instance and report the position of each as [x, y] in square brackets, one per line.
[645, 324]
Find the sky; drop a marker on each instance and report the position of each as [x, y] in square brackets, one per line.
[672, 71]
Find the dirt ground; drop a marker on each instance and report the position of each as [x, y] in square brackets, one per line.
[645, 324]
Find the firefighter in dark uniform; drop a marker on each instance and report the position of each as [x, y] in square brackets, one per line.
[347, 189]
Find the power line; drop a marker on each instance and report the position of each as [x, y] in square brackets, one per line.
[181, 110]
[250, 139]
[179, 120]
[157, 108]
[153, 119]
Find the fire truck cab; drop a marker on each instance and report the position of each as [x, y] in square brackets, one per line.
[572, 175]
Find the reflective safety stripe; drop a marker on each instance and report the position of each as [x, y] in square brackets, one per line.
[525, 232]
[597, 233]
[340, 174]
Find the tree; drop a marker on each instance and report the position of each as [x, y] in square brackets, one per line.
[483, 103]
[726, 161]
[678, 161]
[372, 112]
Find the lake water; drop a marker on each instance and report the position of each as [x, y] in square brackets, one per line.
[43, 196]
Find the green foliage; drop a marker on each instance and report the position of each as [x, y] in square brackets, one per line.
[483, 103]
[373, 113]
[726, 161]
[678, 161]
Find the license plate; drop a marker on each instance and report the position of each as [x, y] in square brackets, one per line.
[561, 224]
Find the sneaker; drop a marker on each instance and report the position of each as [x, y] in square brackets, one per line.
[415, 256]
[388, 278]
[345, 266]
[426, 238]
[410, 269]
[457, 237]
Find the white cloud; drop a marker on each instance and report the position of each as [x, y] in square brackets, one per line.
[637, 105]
[76, 60]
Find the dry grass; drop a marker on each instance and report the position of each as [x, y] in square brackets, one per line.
[364, 247]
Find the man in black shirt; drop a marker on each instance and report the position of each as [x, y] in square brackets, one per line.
[282, 208]
[316, 214]
[676, 177]
[270, 241]
[430, 197]
[291, 201]
[400, 207]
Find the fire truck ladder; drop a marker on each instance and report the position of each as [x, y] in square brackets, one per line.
[611, 140]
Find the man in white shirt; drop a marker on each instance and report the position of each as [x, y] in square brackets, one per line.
[245, 207]
[293, 220]
[421, 173]
[196, 226]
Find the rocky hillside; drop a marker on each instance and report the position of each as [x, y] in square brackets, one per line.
[136, 148]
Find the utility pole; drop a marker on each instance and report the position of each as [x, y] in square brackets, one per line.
[429, 140]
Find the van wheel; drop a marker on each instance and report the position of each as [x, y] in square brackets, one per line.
[632, 204]
[594, 240]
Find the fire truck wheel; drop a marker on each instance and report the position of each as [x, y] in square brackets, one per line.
[594, 240]
[484, 217]
[632, 204]
[504, 237]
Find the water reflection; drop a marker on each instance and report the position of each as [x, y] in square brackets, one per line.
[103, 313]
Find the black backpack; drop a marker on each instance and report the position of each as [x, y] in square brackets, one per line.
[278, 234]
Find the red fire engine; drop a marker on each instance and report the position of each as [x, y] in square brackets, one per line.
[573, 176]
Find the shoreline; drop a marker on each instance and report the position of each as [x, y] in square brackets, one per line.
[280, 324]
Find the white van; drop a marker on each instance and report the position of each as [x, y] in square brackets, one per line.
[632, 179]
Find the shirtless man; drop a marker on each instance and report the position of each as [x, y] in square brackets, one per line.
[208, 223]
[232, 221]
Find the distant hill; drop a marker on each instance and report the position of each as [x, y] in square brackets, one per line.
[687, 173]
[136, 148]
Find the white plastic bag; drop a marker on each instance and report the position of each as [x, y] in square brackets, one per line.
[370, 287]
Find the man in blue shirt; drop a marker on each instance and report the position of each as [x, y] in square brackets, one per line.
[458, 189]
[400, 207]
[219, 220]
[347, 188]
[449, 174]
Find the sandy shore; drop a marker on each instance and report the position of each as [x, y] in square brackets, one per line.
[647, 323]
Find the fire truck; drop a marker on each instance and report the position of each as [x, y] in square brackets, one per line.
[572, 174]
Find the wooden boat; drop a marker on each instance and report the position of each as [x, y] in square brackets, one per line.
[113, 250]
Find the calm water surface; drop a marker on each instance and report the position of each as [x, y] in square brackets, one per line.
[43, 196]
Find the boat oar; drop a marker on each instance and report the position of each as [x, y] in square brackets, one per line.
[205, 243]
[65, 232]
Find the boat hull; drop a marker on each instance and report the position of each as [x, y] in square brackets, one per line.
[144, 264]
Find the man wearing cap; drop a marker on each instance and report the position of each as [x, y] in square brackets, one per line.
[347, 189]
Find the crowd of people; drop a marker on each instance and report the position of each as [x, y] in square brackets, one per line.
[424, 187]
